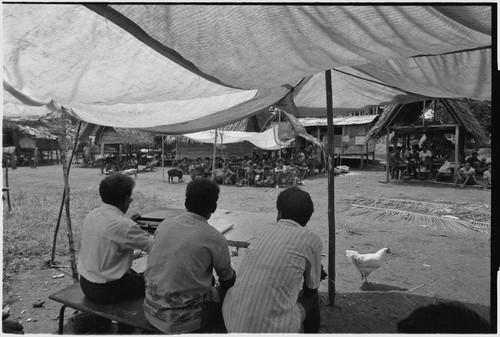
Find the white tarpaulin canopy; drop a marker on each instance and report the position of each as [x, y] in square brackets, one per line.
[187, 68]
[267, 140]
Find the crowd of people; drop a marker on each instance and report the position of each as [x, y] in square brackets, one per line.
[246, 172]
[273, 172]
[433, 160]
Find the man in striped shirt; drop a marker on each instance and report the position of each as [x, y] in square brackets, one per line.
[285, 257]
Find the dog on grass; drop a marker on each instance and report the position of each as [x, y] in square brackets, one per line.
[175, 173]
[130, 172]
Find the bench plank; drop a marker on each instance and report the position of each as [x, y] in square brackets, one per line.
[128, 312]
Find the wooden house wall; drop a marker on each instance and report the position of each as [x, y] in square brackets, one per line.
[347, 139]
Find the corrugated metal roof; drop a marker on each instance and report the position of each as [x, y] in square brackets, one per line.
[348, 120]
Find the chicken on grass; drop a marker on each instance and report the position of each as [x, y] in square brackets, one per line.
[366, 263]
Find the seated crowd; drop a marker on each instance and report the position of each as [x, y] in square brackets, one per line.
[274, 172]
[432, 162]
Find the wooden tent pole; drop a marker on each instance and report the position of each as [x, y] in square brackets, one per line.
[279, 123]
[215, 153]
[457, 149]
[64, 199]
[387, 157]
[331, 192]
[7, 181]
[162, 157]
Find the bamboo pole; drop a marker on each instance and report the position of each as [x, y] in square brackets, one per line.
[331, 192]
[279, 139]
[163, 157]
[457, 149]
[7, 181]
[387, 157]
[215, 153]
[65, 192]
[72, 256]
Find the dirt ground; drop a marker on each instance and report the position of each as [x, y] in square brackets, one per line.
[431, 261]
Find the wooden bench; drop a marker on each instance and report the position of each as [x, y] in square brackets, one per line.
[129, 312]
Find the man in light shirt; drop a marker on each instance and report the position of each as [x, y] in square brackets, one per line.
[279, 277]
[425, 157]
[181, 296]
[466, 175]
[107, 245]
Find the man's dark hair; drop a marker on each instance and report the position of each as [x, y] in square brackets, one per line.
[201, 196]
[444, 317]
[114, 189]
[295, 204]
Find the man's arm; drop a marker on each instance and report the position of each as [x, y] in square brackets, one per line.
[136, 238]
[222, 265]
[312, 274]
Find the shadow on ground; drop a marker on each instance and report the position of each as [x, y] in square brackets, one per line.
[375, 311]
[380, 287]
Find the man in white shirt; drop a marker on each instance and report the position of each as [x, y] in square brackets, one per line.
[425, 157]
[107, 245]
[276, 290]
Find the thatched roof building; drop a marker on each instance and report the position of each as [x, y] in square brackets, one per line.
[26, 135]
[400, 123]
[39, 132]
[407, 119]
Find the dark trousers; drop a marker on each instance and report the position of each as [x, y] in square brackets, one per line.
[129, 286]
[211, 316]
[310, 302]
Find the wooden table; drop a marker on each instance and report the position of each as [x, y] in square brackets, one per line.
[238, 227]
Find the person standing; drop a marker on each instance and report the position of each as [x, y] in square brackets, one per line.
[279, 277]
[107, 245]
[181, 295]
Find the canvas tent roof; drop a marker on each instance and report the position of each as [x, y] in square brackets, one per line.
[338, 121]
[173, 69]
[267, 140]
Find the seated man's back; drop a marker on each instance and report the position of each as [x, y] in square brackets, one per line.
[279, 261]
[179, 275]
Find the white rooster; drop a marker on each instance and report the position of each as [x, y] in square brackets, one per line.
[366, 263]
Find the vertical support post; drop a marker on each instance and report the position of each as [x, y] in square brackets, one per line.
[387, 156]
[215, 153]
[35, 157]
[163, 157]
[279, 139]
[66, 200]
[119, 159]
[7, 181]
[457, 148]
[331, 191]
